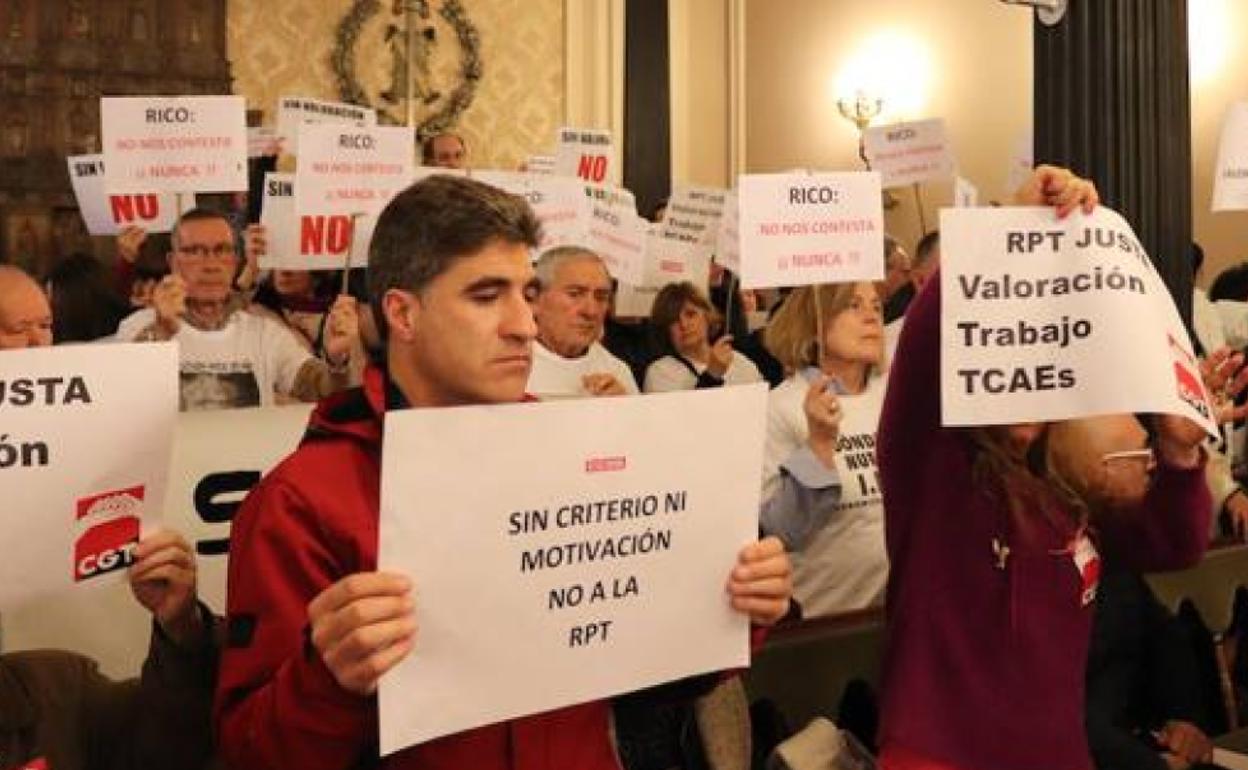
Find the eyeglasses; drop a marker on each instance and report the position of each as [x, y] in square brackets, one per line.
[1145, 455]
[221, 251]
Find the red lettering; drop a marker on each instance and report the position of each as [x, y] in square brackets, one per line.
[325, 234]
[592, 168]
[122, 207]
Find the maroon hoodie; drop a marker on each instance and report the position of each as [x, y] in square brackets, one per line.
[985, 655]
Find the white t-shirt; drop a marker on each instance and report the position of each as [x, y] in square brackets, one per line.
[243, 364]
[844, 566]
[554, 376]
[668, 374]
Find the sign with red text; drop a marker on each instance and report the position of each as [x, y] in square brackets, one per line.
[668, 260]
[106, 214]
[86, 439]
[351, 172]
[801, 229]
[909, 153]
[559, 202]
[295, 111]
[174, 143]
[1230, 181]
[594, 559]
[586, 153]
[617, 233]
[1054, 319]
[308, 242]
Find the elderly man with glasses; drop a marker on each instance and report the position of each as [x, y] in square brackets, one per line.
[229, 355]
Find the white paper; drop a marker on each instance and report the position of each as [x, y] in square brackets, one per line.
[800, 229]
[217, 458]
[559, 202]
[728, 237]
[696, 453]
[587, 153]
[965, 194]
[1046, 319]
[909, 153]
[174, 143]
[617, 233]
[351, 171]
[1022, 161]
[295, 111]
[88, 430]
[310, 242]
[1230, 183]
[106, 214]
[1230, 760]
[540, 164]
[693, 215]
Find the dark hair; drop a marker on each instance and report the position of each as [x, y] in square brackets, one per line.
[198, 214]
[1198, 257]
[1231, 283]
[426, 146]
[668, 303]
[435, 221]
[85, 305]
[926, 245]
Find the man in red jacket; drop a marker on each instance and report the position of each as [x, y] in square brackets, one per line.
[313, 625]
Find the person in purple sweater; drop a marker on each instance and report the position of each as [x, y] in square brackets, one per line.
[993, 568]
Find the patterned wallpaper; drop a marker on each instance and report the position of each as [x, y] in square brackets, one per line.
[282, 47]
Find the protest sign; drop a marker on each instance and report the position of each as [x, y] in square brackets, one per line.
[593, 560]
[800, 229]
[540, 164]
[728, 237]
[1046, 319]
[106, 214]
[1230, 182]
[86, 439]
[295, 111]
[909, 153]
[345, 177]
[309, 242]
[174, 143]
[559, 202]
[586, 153]
[668, 260]
[616, 233]
[217, 458]
[965, 194]
[693, 215]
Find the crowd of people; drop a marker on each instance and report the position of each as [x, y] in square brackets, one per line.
[985, 544]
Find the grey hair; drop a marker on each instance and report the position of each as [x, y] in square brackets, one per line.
[552, 259]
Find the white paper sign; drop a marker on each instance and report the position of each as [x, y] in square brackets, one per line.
[728, 237]
[540, 164]
[84, 455]
[668, 260]
[351, 171]
[295, 111]
[1230, 184]
[617, 233]
[106, 214]
[619, 541]
[801, 229]
[909, 153]
[310, 242]
[174, 143]
[965, 194]
[1046, 319]
[559, 202]
[217, 458]
[693, 214]
[586, 153]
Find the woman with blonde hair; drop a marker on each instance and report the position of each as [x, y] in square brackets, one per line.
[839, 559]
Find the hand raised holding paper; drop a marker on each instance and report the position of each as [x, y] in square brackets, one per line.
[169, 302]
[1052, 186]
[721, 356]
[362, 626]
[163, 581]
[342, 330]
[762, 582]
[603, 384]
[823, 420]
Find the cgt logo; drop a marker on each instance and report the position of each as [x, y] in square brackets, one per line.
[119, 502]
[1191, 390]
[606, 464]
[106, 548]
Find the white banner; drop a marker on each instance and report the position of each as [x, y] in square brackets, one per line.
[352, 172]
[587, 153]
[217, 458]
[965, 194]
[84, 456]
[909, 153]
[594, 560]
[1047, 319]
[106, 214]
[616, 233]
[295, 111]
[174, 143]
[310, 242]
[559, 202]
[1230, 183]
[800, 229]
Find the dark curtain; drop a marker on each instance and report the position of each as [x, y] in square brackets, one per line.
[647, 106]
[1111, 103]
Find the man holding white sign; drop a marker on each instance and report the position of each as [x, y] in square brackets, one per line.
[313, 626]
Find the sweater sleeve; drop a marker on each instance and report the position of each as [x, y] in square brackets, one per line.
[1169, 530]
[277, 704]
